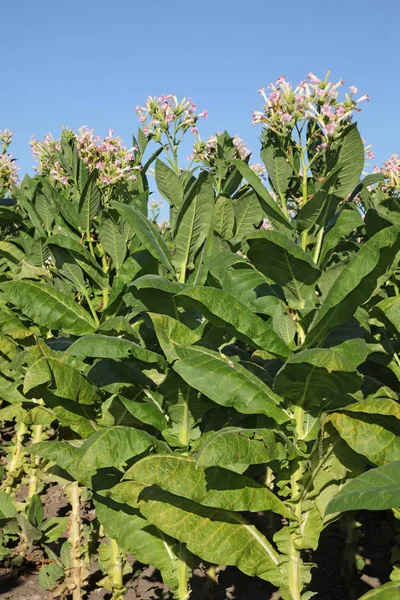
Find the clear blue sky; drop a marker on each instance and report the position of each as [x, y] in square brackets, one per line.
[91, 62]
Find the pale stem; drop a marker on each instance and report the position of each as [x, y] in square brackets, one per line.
[20, 432]
[117, 571]
[75, 541]
[183, 591]
[294, 554]
[318, 246]
[33, 480]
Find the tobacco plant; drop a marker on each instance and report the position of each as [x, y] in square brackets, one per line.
[241, 359]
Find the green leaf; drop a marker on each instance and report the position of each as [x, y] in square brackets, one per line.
[89, 202]
[234, 540]
[113, 242]
[349, 219]
[193, 222]
[134, 534]
[319, 377]
[388, 311]
[271, 208]
[82, 256]
[146, 232]
[50, 575]
[373, 437]
[214, 302]
[285, 263]
[213, 486]
[321, 206]
[351, 158]
[388, 591]
[278, 168]
[356, 283]
[224, 217]
[377, 489]
[168, 183]
[105, 346]
[35, 511]
[11, 252]
[231, 445]
[248, 213]
[7, 509]
[65, 381]
[227, 383]
[48, 307]
[170, 332]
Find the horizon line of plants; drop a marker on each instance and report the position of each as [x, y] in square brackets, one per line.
[240, 358]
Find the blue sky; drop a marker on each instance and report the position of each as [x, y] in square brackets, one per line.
[91, 62]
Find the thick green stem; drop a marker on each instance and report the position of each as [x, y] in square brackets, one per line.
[90, 304]
[294, 554]
[89, 241]
[117, 572]
[13, 468]
[318, 245]
[75, 542]
[33, 480]
[183, 591]
[106, 293]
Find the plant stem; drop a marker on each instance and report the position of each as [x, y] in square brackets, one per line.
[75, 541]
[33, 480]
[90, 304]
[117, 572]
[183, 591]
[106, 294]
[318, 246]
[20, 432]
[294, 554]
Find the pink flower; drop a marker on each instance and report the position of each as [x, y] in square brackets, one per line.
[313, 78]
[204, 114]
[340, 111]
[274, 96]
[326, 110]
[286, 117]
[353, 89]
[280, 80]
[365, 97]
[329, 129]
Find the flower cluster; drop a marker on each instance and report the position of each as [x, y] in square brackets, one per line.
[207, 150]
[160, 113]
[114, 162]
[313, 99]
[8, 167]
[391, 172]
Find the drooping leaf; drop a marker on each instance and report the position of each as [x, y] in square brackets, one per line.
[48, 307]
[216, 305]
[113, 242]
[377, 489]
[213, 486]
[227, 383]
[89, 202]
[168, 183]
[105, 346]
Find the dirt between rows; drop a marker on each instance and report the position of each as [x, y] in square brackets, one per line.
[145, 583]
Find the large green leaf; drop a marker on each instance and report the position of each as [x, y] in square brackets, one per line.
[212, 486]
[193, 222]
[224, 217]
[388, 591]
[231, 445]
[248, 213]
[82, 256]
[278, 167]
[89, 202]
[134, 534]
[320, 377]
[220, 308]
[234, 540]
[168, 183]
[348, 220]
[270, 207]
[109, 447]
[65, 380]
[388, 311]
[356, 283]
[104, 346]
[170, 332]
[377, 489]
[48, 307]
[321, 206]
[285, 263]
[351, 158]
[377, 437]
[146, 232]
[113, 242]
[227, 383]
